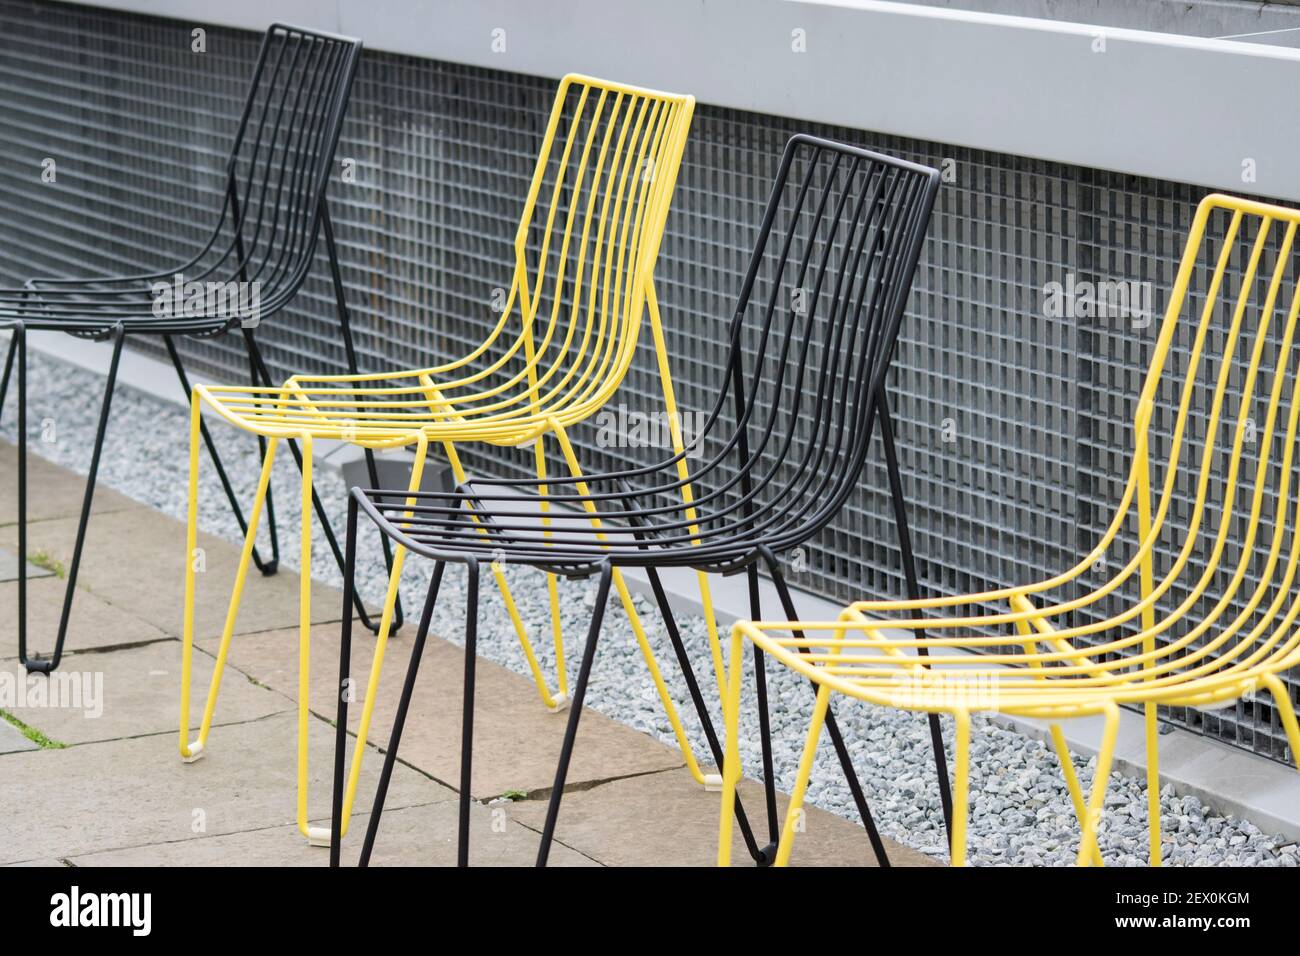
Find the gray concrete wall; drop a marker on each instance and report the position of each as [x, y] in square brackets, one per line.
[1181, 108]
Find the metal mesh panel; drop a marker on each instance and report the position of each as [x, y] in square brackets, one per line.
[1014, 424]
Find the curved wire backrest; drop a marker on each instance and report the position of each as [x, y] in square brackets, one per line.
[280, 162]
[1196, 573]
[815, 327]
[1212, 496]
[585, 249]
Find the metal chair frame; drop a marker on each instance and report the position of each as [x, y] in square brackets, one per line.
[1228, 625]
[273, 212]
[585, 251]
[752, 501]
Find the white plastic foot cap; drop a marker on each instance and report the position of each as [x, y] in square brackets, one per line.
[713, 782]
[559, 702]
[318, 836]
[196, 751]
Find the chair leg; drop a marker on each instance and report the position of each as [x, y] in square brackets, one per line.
[387, 617]
[192, 750]
[1153, 782]
[317, 836]
[761, 855]
[913, 590]
[575, 712]
[350, 349]
[638, 629]
[837, 739]
[1099, 782]
[1072, 783]
[731, 769]
[314, 503]
[801, 778]
[265, 567]
[467, 713]
[961, 790]
[344, 687]
[46, 665]
[9, 367]
[764, 718]
[553, 702]
[399, 719]
[684, 475]
[552, 583]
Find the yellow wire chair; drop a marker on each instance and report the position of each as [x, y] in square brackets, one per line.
[585, 252]
[1191, 618]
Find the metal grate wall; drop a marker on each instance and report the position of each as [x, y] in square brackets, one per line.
[1013, 424]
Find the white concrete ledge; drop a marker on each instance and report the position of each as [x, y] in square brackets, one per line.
[1154, 104]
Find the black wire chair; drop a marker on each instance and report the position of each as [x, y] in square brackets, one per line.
[810, 343]
[273, 214]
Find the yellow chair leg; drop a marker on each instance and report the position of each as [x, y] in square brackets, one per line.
[1072, 783]
[1092, 824]
[1153, 783]
[192, 750]
[381, 645]
[314, 835]
[711, 781]
[792, 811]
[731, 757]
[552, 583]
[683, 474]
[553, 702]
[961, 787]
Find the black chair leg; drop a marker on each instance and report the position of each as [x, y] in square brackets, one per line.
[764, 718]
[763, 856]
[914, 593]
[350, 349]
[33, 663]
[264, 566]
[343, 688]
[832, 728]
[467, 712]
[399, 721]
[575, 713]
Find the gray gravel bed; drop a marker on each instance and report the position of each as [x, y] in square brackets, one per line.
[1020, 809]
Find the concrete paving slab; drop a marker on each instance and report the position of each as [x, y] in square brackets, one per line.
[95, 621]
[104, 796]
[9, 567]
[130, 693]
[411, 836]
[134, 559]
[516, 740]
[664, 819]
[12, 740]
[52, 490]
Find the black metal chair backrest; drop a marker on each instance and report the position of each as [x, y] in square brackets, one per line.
[281, 160]
[814, 331]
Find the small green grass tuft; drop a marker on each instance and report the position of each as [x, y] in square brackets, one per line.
[515, 795]
[32, 734]
[47, 561]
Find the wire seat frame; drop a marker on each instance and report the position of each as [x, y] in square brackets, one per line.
[265, 237]
[567, 331]
[1167, 608]
[782, 449]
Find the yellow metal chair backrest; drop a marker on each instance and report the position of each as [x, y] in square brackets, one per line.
[1205, 534]
[585, 250]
